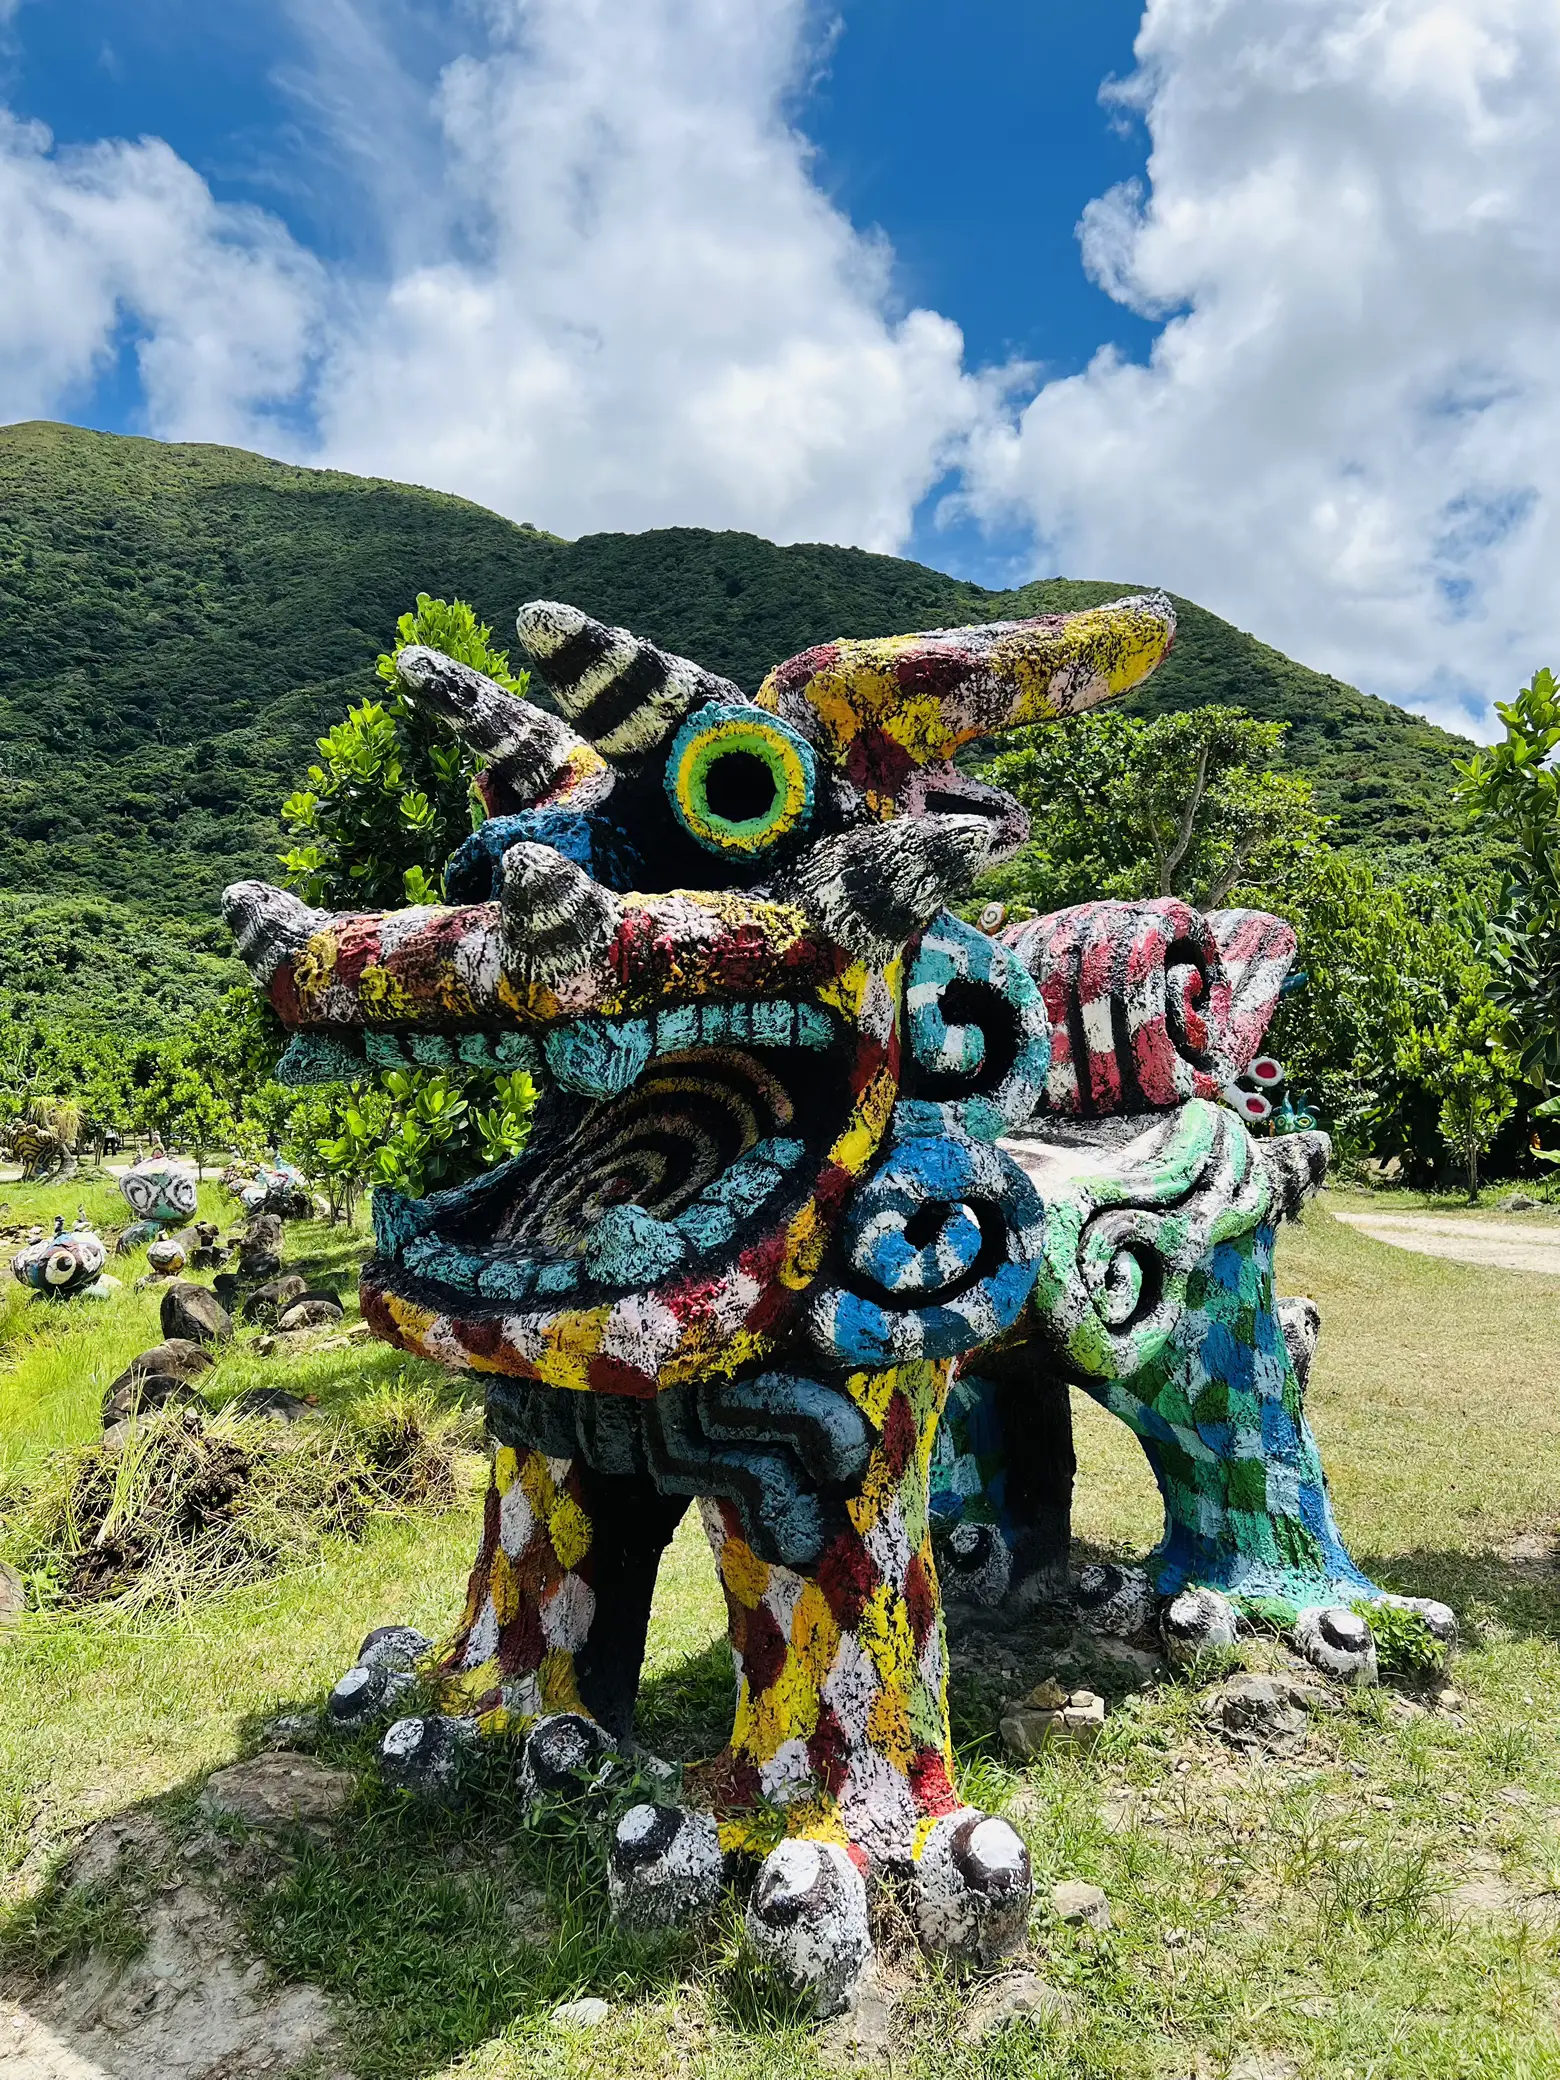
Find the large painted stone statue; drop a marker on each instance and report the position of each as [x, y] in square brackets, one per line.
[805, 1144]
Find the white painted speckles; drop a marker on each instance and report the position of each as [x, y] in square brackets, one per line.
[567, 1613]
[877, 1808]
[479, 963]
[482, 1641]
[931, 1661]
[643, 1332]
[397, 926]
[1095, 1016]
[850, 1687]
[714, 1524]
[516, 1520]
[731, 1300]
[875, 1014]
[788, 1773]
[523, 1696]
[782, 1593]
[336, 1005]
[888, 1545]
[558, 1470]
[440, 1341]
[526, 1335]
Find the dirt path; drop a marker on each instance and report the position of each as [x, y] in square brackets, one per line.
[1501, 1246]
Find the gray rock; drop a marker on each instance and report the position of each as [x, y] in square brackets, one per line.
[313, 1311]
[163, 1374]
[268, 1401]
[279, 1790]
[1035, 1723]
[13, 1595]
[1197, 1622]
[1260, 1712]
[1118, 1658]
[266, 1301]
[588, 2012]
[1518, 1202]
[865, 2031]
[195, 1314]
[1021, 1996]
[1077, 1900]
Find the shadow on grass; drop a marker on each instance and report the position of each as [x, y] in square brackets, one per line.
[434, 1927]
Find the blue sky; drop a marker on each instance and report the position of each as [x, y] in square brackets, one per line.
[972, 138]
[1269, 320]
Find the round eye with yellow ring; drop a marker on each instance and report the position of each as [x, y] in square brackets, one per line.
[739, 780]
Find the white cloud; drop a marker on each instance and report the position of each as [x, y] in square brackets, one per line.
[124, 240]
[595, 284]
[655, 316]
[1348, 436]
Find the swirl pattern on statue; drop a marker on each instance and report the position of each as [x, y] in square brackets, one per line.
[762, 1207]
[1151, 1003]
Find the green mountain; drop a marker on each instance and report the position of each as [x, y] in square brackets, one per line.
[178, 623]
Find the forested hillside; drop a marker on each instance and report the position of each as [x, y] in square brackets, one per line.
[177, 624]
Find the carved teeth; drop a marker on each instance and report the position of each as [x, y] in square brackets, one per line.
[270, 925]
[528, 749]
[871, 888]
[556, 920]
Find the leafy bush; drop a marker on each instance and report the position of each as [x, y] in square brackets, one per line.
[395, 795]
[1405, 1645]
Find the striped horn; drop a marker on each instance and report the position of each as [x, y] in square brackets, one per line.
[622, 693]
[534, 756]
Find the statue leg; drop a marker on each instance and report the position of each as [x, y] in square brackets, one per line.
[552, 1638]
[840, 1742]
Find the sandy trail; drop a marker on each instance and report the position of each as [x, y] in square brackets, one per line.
[1496, 1245]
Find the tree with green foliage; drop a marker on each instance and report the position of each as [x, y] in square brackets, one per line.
[374, 827]
[1510, 791]
[395, 795]
[1189, 804]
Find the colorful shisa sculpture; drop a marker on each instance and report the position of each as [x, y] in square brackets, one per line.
[67, 1265]
[162, 1194]
[773, 1193]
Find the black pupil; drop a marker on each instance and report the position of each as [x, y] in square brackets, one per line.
[739, 787]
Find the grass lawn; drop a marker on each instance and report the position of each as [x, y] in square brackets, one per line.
[1385, 1905]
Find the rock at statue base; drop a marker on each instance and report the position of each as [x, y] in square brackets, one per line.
[195, 1314]
[1256, 1711]
[807, 1921]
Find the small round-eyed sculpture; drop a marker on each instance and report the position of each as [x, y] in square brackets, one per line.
[65, 1266]
[160, 1191]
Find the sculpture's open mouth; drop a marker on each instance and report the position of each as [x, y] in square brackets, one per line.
[710, 1150]
[722, 1062]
